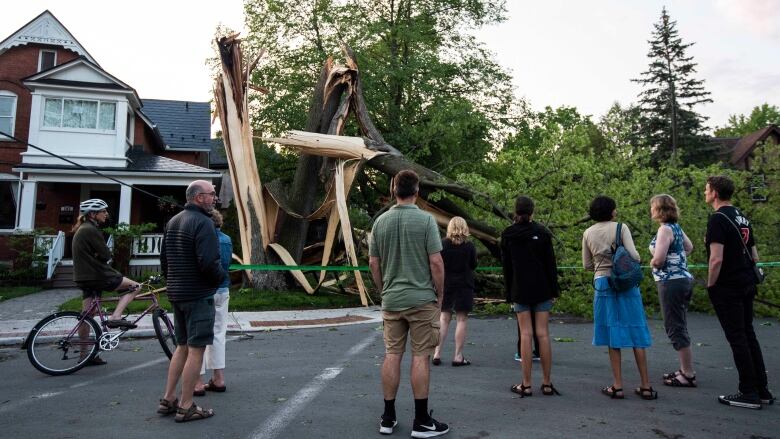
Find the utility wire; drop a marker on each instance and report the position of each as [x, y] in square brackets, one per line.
[86, 168]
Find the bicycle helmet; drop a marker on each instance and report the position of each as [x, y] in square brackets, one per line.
[93, 205]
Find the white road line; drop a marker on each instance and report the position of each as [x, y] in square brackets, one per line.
[279, 420]
[35, 398]
[119, 372]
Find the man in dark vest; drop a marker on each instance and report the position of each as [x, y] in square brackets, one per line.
[190, 261]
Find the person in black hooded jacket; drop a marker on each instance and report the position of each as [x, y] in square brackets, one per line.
[531, 281]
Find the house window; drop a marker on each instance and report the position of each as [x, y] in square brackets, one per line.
[758, 188]
[8, 203]
[79, 113]
[46, 60]
[7, 113]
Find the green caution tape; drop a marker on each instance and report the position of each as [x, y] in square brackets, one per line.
[365, 268]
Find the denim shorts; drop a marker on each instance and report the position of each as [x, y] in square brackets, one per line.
[537, 307]
[194, 322]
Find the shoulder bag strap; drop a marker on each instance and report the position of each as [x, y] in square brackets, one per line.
[744, 246]
[618, 235]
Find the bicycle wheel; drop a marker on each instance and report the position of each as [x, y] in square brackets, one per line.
[164, 330]
[59, 344]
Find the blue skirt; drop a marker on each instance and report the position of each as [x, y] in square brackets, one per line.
[619, 318]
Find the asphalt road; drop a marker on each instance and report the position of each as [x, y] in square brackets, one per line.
[324, 383]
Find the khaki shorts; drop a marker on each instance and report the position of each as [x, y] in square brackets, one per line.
[422, 325]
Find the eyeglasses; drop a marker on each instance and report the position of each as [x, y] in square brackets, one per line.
[212, 193]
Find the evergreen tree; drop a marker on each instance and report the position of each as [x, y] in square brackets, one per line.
[670, 125]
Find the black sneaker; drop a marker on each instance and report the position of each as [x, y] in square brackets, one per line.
[121, 323]
[741, 400]
[766, 397]
[386, 425]
[431, 428]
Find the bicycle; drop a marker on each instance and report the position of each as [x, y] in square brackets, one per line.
[66, 341]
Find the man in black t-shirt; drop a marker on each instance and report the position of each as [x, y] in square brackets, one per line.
[731, 285]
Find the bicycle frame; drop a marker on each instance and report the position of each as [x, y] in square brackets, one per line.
[95, 308]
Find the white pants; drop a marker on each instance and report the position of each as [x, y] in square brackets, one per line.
[214, 357]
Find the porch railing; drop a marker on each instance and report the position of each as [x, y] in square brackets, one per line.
[56, 251]
[147, 245]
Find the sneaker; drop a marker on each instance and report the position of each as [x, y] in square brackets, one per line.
[121, 323]
[431, 428]
[536, 357]
[386, 426]
[766, 397]
[517, 357]
[741, 400]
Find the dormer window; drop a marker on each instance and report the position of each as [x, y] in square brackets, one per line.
[46, 60]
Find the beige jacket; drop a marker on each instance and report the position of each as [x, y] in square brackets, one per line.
[597, 244]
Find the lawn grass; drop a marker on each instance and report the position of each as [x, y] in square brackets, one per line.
[247, 300]
[259, 300]
[13, 292]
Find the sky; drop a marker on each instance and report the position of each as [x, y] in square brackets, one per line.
[580, 53]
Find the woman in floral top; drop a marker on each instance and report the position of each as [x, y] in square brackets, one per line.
[670, 247]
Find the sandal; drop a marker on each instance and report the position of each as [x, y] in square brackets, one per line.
[168, 407]
[522, 390]
[549, 390]
[436, 361]
[201, 392]
[613, 391]
[646, 393]
[670, 375]
[211, 387]
[676, 382]
[194, 413]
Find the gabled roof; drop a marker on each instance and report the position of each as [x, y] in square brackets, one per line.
[137, 162]
[183, 125]
[81, 73]
[747, 143]
[45, 29]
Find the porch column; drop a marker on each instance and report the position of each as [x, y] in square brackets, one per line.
[125, 201]
[27, 205]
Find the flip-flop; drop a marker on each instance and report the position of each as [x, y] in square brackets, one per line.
[465, 362]
[436, 361]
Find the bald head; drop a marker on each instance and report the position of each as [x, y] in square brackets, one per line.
[201, 193]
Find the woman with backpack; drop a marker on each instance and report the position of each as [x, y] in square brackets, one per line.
[669, 249]
[618, 313]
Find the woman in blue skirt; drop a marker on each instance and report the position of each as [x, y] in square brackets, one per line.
[618, 317]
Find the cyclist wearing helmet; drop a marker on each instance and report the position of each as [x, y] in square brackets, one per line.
[91, 271]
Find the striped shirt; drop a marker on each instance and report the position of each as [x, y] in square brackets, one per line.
[402, 238]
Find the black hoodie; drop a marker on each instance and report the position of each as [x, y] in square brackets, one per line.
[530, 270]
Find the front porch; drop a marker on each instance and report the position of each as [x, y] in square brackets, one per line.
[144, 258]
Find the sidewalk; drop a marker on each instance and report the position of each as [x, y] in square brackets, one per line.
[13, 332]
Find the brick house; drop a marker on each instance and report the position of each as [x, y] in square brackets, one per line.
[55, 95]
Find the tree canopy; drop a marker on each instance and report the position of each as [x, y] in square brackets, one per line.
[740, 125]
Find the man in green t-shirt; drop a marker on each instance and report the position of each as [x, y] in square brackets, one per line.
[407, 268]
